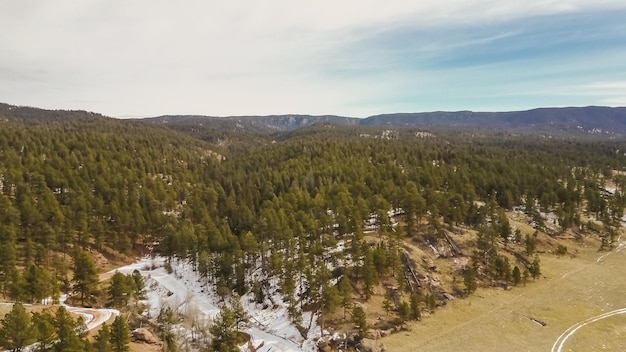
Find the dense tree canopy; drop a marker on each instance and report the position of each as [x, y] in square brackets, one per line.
[71, 186]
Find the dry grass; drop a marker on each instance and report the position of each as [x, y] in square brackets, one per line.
[572, 290]
[142, 347]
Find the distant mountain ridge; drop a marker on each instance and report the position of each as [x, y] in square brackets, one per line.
[590, 119]
[32, 114]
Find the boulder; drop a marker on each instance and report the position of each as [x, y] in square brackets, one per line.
[373, 334]
[143, 335]
[323, 346]
[369, 345]
[385, 333]
[351, 340]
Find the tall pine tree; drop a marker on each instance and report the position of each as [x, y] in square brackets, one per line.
[15, 329]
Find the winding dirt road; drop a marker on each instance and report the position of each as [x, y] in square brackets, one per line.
[580, 300]
[562, 339]
[558, 344]
[93, 317]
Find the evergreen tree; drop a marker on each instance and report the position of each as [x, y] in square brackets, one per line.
[224, 331]
[370, 275]
[119, 290]
[517, 276]
[15, 329]
[502, 225]
[70, 333]
[360, 320]
[165, 320]
[120, 335]
[102, 339]
[535, 268]
[414, 306]
[85, 277]
[531, 243]
[44, 331]
[239, 313]
[17, 286]
[8, 235]
[431, 303]
[387, 305]
[404, 311]
[204, 265]
[138, 286]
[469, 278]
[330, 298]
[36, 281]
[345, 290]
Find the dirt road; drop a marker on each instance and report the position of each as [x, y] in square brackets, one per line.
[575, 299]
[93, 317]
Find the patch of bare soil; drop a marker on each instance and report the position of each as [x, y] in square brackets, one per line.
[143, 347]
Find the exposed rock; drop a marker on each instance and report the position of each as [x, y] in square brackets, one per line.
[144, 335]
[323, 346]
[373, 334]
[351, 340]
[448, 296]
[385, 333]
[369, 345]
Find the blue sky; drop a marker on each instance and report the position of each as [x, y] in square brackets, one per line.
[353, 58]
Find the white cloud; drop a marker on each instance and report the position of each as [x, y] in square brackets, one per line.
[604, 87]
[215, 57]
[612, 93]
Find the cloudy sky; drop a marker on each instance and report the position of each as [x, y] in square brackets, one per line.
[355, 58]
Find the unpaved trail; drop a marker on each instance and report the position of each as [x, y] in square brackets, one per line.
[558, 344]
[562, 339]
[93, 317]
[572, 291]
[271, 342]
[182, 289]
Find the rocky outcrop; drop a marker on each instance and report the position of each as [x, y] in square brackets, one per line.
[143, 335]
[369, 345]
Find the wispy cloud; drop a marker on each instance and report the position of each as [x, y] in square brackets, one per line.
[604, 87]
[241, 57]
[612, 93]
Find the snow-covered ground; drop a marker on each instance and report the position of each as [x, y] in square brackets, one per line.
[91, 316]
[183, 290]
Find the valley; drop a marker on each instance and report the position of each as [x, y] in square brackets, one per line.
[325, 237]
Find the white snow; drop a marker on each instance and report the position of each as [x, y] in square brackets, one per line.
[92, 317]
[183, 290]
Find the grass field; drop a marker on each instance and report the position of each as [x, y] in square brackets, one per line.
[572, 290]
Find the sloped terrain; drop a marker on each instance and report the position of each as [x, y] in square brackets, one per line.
[572, 291]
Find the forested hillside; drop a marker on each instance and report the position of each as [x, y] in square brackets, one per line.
[89, 183]
[326, 211]
[551, 121]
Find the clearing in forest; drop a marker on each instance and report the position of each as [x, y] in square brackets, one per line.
[572, 291]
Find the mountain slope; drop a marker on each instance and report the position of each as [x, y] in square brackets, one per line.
[573, 118]
[592, 119]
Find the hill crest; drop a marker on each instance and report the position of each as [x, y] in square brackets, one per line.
[565, 120]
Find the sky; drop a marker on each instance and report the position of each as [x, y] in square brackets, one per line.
[140, 58]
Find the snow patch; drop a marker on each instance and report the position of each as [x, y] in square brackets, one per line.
[185, 292]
